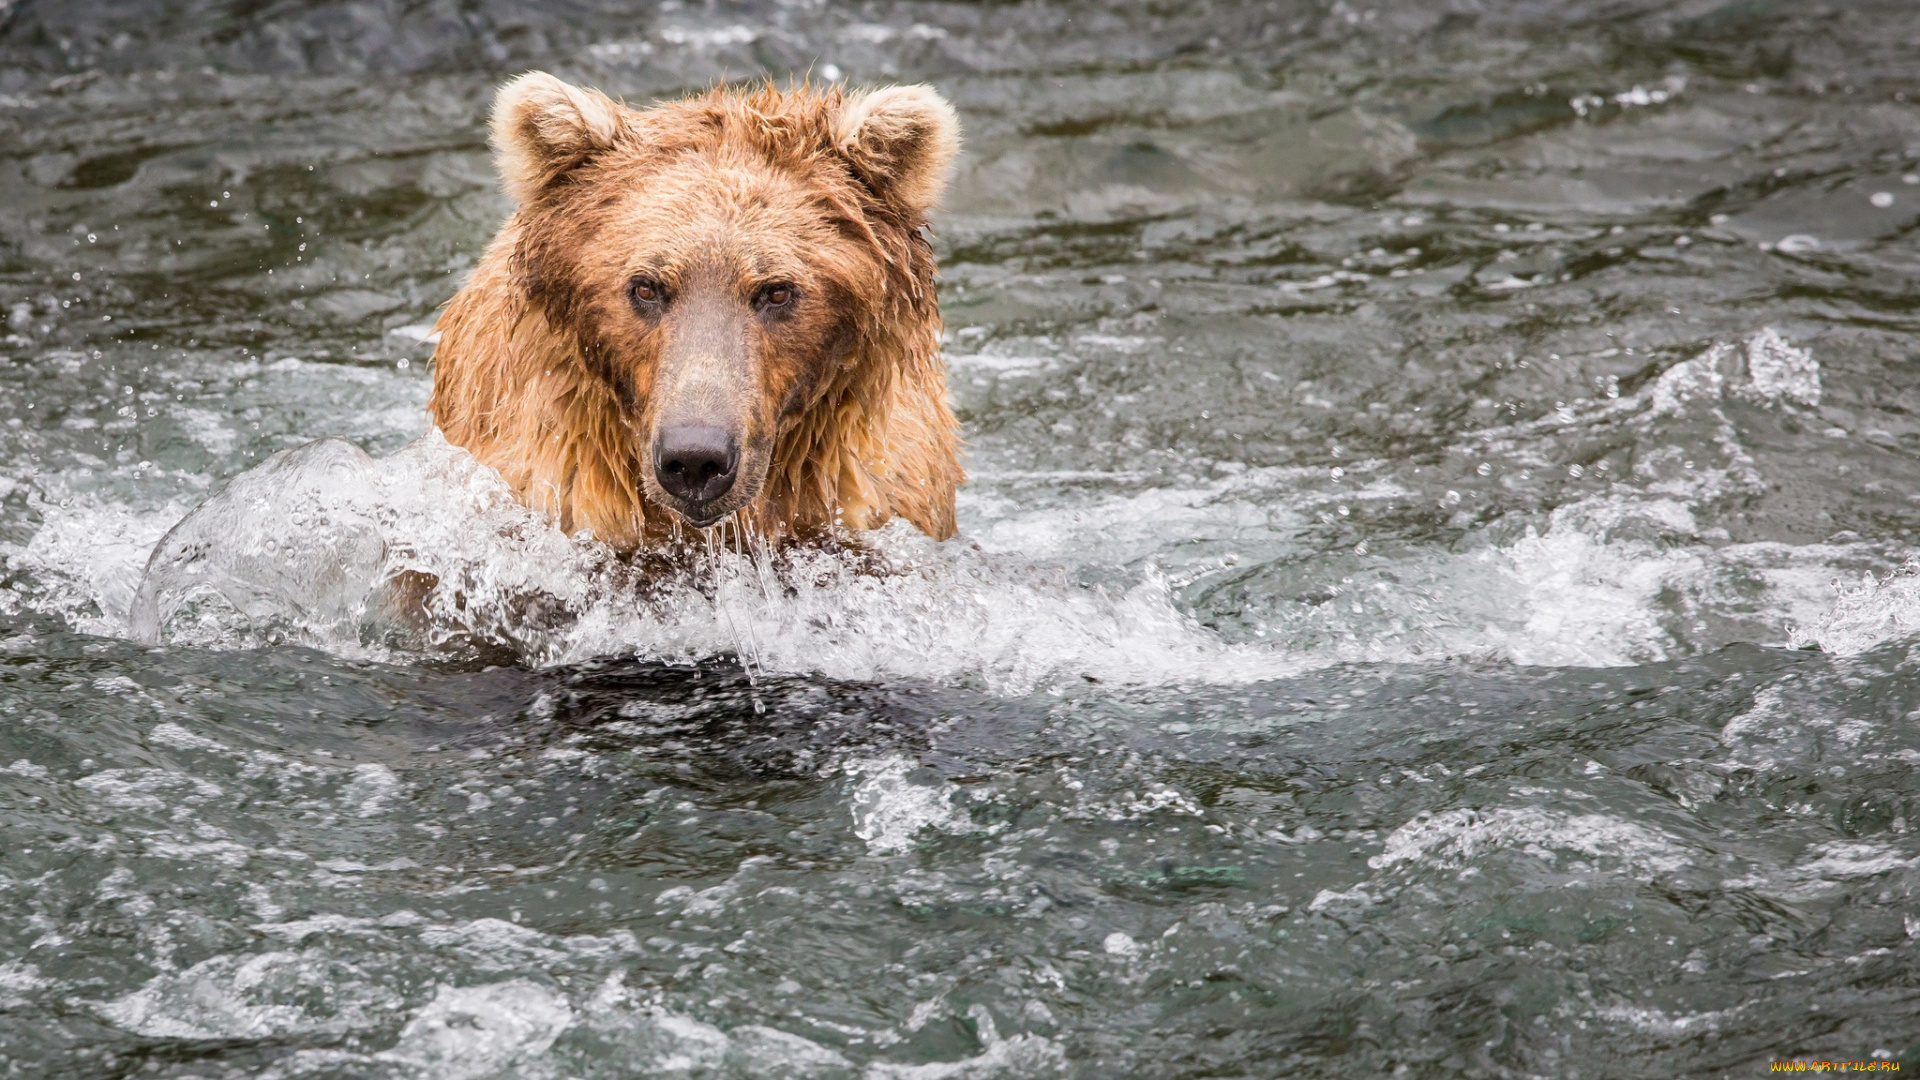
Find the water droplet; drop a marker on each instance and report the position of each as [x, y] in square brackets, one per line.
[1576, 471]
[1485, 469]
[1336, 472]
[1881, 199]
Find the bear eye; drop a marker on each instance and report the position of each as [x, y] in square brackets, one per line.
[775, 297]
[645, 294]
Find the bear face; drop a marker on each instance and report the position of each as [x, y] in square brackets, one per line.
[721, 308]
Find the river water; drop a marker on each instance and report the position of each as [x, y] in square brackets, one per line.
[1433, 597]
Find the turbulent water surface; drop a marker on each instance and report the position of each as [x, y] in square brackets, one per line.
[1433, 599]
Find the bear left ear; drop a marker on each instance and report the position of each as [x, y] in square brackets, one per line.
[901, 141]
[543, 128]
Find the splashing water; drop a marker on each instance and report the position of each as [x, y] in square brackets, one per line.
[308, 548]
[316, 546]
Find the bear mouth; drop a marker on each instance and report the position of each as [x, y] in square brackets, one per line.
[704, 515]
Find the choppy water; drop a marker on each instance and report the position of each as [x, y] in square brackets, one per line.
[1431, 602]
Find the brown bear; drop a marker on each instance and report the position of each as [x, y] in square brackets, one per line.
[719, 309]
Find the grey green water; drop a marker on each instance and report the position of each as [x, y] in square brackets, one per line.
[1433, 598]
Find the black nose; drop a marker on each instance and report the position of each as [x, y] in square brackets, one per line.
[696, 462]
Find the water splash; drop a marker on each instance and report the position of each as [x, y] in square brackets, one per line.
[1868, 612]
[427, 551]
[322, 544]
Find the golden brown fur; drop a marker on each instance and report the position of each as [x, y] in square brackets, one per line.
[552, 372]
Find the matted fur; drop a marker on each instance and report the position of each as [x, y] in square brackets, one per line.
[539, 377]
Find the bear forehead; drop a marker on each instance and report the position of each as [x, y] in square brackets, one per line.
[726, 151]
[715, 203]
[721, 182]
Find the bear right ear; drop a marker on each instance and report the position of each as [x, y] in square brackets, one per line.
[901, 142]
[543, 128]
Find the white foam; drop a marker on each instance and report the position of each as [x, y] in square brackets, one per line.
[1458, 838]
[1658, 1022]
[473, 1031]
[889, 810]
[495, 944]
[1778, 371]
[251, 997]
[142, 789]
[1769, 370]
[18, 978]
[1607, 582]
[1869, 612]
[207, 428]
[87, 558]
[1018, 1057]
[372, 788]
[1341, 901]
[172, 734]
[1825, 870]
[658, 1042]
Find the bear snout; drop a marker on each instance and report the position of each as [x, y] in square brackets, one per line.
[697, 464]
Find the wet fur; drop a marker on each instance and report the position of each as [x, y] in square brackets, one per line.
[542, 374]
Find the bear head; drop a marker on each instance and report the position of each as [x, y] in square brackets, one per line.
[730, 266]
